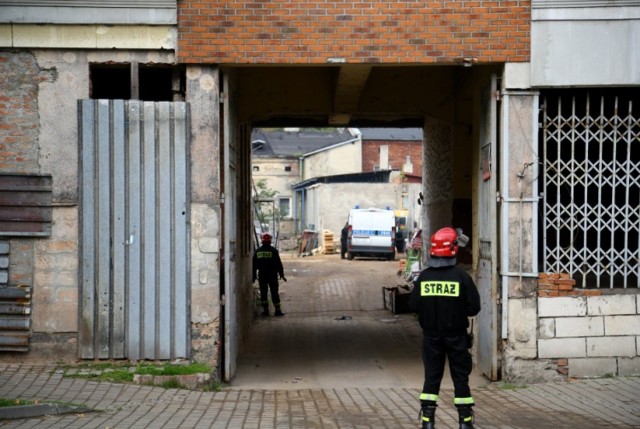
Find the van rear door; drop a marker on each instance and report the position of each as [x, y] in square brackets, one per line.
[372, 232]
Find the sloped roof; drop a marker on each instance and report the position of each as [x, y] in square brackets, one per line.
[396, 134]
[381, 176]
[296, 142]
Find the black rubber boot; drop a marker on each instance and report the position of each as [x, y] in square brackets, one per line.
[279, 312]
[428, 416]
[465, 417]
[265, 310]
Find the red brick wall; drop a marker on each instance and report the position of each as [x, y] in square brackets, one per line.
[19, 119]
[310, 31]
[398, 151]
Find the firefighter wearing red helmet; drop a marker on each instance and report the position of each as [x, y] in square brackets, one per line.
[267, 267]
[444, 296]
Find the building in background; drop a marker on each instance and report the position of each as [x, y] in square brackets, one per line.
[314, 177]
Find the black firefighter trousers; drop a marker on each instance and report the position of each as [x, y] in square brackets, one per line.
[269, 283]
[435, 351]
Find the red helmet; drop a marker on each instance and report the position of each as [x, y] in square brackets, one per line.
[266, 237]
[444, 243]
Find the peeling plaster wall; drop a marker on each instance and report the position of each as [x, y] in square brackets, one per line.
[58, 108]
[203, 97]
[59, 79]
[437, 176]
[519, 154]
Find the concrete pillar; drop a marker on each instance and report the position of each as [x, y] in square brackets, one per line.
[518, 189]
[202, 94]
[437, 177]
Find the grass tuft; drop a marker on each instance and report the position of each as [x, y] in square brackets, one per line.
[14, 402]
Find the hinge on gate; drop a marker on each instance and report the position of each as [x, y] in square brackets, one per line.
[222, 198]
[223, 299]
[221, 98]
[498, 94]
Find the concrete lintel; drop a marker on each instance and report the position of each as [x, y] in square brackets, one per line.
[88, 36]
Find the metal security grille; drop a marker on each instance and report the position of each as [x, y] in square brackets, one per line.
[591, 144]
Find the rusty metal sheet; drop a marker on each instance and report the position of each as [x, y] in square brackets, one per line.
[13, 339]
[14, 308]
[15, 318]
[14, 324]
[25, 205]
[15, 293]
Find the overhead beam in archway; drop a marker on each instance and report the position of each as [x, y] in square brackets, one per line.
[349, 87]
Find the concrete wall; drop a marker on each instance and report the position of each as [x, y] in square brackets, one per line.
[332, 202]
[202, 94]
[272, 171]
[587, 333]
[343, 159]
[39, 135]
[437, 176]
[564, 40]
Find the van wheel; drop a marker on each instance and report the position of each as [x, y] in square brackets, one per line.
[350, 256]
[392, 256]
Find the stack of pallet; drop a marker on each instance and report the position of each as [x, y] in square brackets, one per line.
[327, 240]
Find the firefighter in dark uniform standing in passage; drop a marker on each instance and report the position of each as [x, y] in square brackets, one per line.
[344, 236]
[444, 296]
[267, 266]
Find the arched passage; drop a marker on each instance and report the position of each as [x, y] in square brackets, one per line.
[443, 100]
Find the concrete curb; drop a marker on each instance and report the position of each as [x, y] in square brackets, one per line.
[38, 410]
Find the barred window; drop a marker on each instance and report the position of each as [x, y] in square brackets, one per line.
[591, 203]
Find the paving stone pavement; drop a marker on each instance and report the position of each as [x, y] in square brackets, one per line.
[584, 404]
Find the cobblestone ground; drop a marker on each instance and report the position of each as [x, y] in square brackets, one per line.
[585, 404]
[338, 359]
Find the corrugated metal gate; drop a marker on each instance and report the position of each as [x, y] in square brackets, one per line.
[134, 236]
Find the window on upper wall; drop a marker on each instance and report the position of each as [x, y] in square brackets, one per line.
[284, 205]
[256, 168]
[110, 82]
[287, 168]
[136, 82]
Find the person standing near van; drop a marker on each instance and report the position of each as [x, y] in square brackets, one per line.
[445, 296]
[267, 267]
[344, 235]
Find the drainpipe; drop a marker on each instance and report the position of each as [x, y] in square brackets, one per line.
[503, 219]
[294, 212]
[302, 190]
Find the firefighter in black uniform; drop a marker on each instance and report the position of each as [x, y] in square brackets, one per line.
[267, 267]
[445, 296]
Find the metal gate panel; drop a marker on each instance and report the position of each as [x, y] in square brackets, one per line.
[487, 240]
[134, 234]
[231, 301]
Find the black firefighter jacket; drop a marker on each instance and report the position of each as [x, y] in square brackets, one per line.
[444, 298]
[267, 263]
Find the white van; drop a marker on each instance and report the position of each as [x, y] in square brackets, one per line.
[371, 233]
